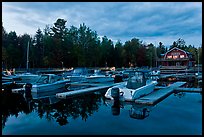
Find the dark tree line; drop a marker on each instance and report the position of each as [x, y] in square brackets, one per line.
[58, 46]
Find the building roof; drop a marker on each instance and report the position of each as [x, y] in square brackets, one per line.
[177, 49]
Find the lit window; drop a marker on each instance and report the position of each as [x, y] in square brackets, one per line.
[181, 56]
[169, 57]
[175, 57]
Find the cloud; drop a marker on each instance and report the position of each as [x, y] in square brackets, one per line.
[149, 21]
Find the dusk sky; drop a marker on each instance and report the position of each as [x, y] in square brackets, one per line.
[150, 22]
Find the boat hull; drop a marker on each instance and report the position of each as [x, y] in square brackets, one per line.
[49, 87]
[126, 94]
[77, 78]
[28, 78]
[99, 79]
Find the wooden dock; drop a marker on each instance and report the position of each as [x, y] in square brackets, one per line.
[86, 90]
[197, 90]
[157, 96]
[188, 75]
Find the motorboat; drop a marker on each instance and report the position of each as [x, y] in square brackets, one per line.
[135, 87]
[20, 78]
[84, 75]
[26, 78]
[155, 72]
[6, 78]
[78, 75]
[48, 83]
[98, 77]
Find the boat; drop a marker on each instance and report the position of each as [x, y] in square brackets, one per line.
[48, 83]
[78, 75]
[6, 78]
[155, 72]
[25, 78]
[84, 75]
[135, 87]
[20, 78]
[98, 77]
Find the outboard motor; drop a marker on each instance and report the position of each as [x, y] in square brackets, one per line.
[28, 88]
[115, 93]
[116, 108]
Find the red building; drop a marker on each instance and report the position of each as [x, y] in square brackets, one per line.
[177, 57]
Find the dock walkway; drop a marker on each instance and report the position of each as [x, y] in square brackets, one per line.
[76, 92]
[157, 96]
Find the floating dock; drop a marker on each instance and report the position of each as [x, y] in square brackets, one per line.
[157, 96]
[197, 90]
[86, 90]
[178, 75]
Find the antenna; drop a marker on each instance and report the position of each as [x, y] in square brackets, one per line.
[27, 55]
[198, 60]
[155, 54]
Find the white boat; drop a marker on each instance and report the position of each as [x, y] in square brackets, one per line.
[155, 72]
[92, 76]
[6, 78]
[20, 78]
[97, 77]
[78, 75]
[25, 78]
[137, 86]
[49, 82]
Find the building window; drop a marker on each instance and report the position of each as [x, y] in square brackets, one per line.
[175, 57]
[169, 57]
[181, 56]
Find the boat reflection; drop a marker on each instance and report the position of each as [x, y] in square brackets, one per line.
[50, 107]
[136, 111]
[139, 112]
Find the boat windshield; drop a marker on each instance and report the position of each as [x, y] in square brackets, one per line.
[79, 71]
[43, 79]
[138, 80]
[135, 82]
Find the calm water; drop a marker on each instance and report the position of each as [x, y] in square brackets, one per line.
[178, 114]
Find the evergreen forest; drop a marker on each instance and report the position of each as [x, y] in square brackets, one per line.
[58, 46]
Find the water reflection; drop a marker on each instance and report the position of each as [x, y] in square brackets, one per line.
[136, 111]
[13, 104]
[191, 82]
[50, 107]
[81, 106]
[179, 94]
